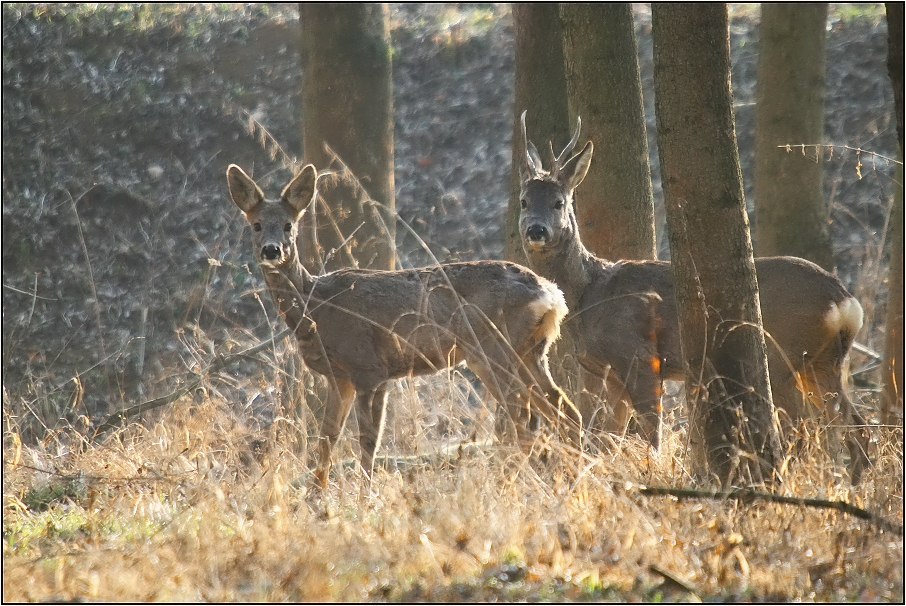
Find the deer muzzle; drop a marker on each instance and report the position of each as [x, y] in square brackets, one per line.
[536, 235]
[270, 252]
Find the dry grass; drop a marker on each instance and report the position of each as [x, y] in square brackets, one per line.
[199, 506]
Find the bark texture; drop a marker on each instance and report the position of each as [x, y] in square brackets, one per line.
[732, 434]
[791, 215]
[616, 212]
[348, 105]
[892, 403]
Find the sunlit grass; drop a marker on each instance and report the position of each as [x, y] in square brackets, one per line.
[171, 513]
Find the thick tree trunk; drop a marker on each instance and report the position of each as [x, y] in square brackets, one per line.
[616, 210]
[895, 60]
[540, 89]
[790, 209]
[892, 365]
[717, 297]
[347, 102]
[892, 399]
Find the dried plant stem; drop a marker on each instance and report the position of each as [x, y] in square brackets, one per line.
[748, 495]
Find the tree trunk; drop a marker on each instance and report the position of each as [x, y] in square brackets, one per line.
[347, 102]
[540, 89]
[731, 413]
[892, 365]
[895, 60]
[616, 212]
[892, 397]
[791, 215]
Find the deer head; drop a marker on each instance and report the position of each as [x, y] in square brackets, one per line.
[548, 216]
[274, 223]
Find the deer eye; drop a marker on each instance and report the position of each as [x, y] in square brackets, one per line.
[288, 227]
[558, 205]
[524, 204]
[256, 227]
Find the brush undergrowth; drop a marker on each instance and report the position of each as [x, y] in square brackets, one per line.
[187, 508]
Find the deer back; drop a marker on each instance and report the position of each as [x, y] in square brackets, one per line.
[428, 318]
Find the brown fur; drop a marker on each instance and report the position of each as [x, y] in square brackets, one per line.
[363, 328]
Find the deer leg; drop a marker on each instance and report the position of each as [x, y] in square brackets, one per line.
[514, 414]
[339, 403]
[370, 407]
[552, 401]
[849, 421]
[644, 384]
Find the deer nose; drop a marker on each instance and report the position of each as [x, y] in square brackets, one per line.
[537, 232]
[270, 252]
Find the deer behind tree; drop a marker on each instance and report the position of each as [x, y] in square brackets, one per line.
[624, 321]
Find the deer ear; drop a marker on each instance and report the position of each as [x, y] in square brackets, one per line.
[301, 190]
[575, 169]
[245, 193]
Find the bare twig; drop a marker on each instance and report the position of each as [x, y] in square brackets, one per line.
[94, 292]
[747, 495]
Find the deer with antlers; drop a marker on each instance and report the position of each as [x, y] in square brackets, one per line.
[363, 328]
[623, 317]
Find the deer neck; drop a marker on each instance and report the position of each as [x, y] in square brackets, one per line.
[290, 286]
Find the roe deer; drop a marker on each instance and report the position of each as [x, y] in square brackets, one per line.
[362, 328]
[624, 322]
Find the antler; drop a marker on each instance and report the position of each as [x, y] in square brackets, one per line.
[532, 159]
[558, 161]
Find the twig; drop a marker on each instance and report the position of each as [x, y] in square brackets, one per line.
[747, 495]
[866, 350]
[97, 302]
[790, 146]
[117, 418]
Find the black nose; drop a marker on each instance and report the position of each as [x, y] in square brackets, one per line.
[537, 232]
[270, 252]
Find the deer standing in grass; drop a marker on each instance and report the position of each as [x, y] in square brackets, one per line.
[362, 328]
[623, 317]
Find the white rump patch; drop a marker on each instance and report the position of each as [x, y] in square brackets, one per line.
[847, 315]
[549, 310]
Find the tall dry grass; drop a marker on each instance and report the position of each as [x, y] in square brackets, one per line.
[201, 505]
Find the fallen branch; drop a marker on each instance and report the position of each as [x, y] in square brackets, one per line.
[747, 495]
[116, 419]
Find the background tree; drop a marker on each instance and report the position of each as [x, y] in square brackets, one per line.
[892, 402]
[791, 216]
[540, 89]
[347, 103]
[720, 321]
[616, 210]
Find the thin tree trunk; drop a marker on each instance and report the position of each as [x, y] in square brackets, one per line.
[616, 211]
[348, 105]
[540, 89]
[791, 212]
[731, 428]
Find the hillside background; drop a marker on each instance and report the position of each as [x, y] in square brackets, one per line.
[122, 253]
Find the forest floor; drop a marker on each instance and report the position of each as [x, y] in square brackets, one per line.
[126, 270]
